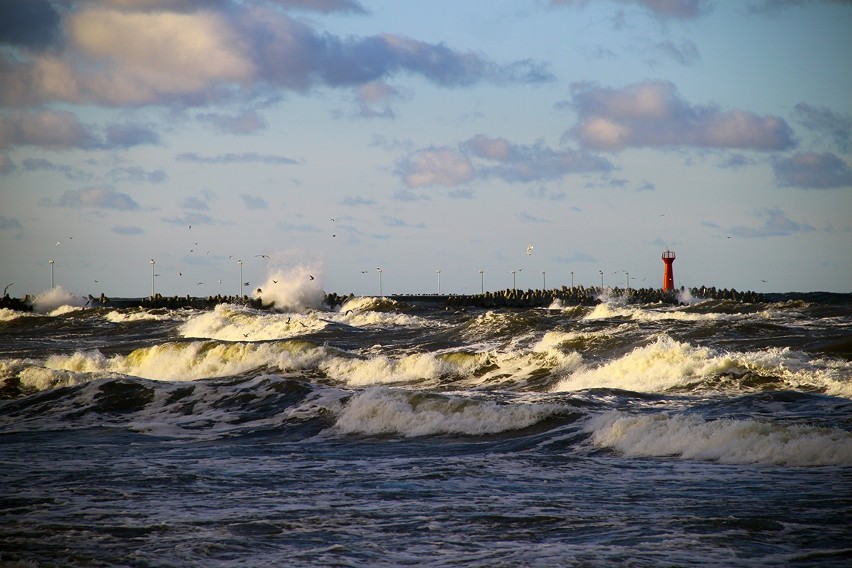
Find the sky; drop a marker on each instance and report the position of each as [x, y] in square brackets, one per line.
[402, 146]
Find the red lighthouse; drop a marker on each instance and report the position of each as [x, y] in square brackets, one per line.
[668, 275]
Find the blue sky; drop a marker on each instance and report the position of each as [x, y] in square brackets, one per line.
[341, 136]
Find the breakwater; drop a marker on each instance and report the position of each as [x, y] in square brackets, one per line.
[509, 298]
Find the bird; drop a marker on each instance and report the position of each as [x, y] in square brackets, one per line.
[529, 249]
[245, 283]
[189, 227]
[199, 283]
[310, 276]
[6, 289]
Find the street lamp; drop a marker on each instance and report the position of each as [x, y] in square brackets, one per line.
[601, 271]
[572, 278]
[628, 280]
[481, 281]
[51, 261]
[438, 271]
[514, 286]
[240, 262]
[543, 281]
[153, 264]
[381, 292]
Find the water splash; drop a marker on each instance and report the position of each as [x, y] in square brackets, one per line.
[292, 284]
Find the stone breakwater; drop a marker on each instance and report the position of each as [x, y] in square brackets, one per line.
[576, 296]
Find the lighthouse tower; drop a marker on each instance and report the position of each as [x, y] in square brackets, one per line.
[668, 275]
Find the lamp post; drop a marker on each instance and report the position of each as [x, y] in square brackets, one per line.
[153, 264]
[438, 272]
[481, 281]
[514, 286]
[51, 261]
[601, 271]
[240, 262]
[572, 278]
[381, 292]
[543, 281]
[628, 280]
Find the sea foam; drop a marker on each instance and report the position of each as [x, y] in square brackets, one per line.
[725, 441]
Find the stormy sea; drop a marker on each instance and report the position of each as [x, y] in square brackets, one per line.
[391, 432]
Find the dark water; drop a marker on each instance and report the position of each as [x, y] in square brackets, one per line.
[390, 434]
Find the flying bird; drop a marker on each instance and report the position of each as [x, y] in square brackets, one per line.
[310, 276]
[529, 249]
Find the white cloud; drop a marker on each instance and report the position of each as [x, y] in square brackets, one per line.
[652, 113]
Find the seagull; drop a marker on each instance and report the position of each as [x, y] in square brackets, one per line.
[310, 276]
[189, 227]
[529, 249]
[245, 283]
[199, 283]
[261, 255]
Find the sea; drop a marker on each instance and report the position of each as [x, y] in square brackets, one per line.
[390, 432]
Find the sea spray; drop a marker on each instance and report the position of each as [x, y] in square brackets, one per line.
[54, 300]
[291, 284]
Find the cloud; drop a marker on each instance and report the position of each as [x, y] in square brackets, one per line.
[192, 53]
[193, 202]
[246, 122]
[55, 130]
[484, 157]
[524, 163]
[357, 201]
[825, 122]
[191, 219]
[685, 52]
[33, 24]
[6, 165]
[97, 197]
[776, 224]
[524, 217]
[137, 174]
[677, 9]
[62, 130]
[7, 223]
[254, 202]
[231, 158]
[813, 171]
[395, 222]
[129, 135]
[128, 230]
[773, 7]
[435, 166]
[41, 164]
[652, 113]
[324, 6]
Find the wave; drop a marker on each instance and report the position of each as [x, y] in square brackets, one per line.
[666, 365]
[381, 411]
[57, 301]
[727, 441]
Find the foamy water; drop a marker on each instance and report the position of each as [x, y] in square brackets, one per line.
[384, 433]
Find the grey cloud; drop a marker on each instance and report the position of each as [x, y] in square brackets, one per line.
[825, 122]
[193, 202]
[685, 52]
[678, 9]
[813, 171]
[254, 202]
[41, 164]
[33, 24]
[776, 224]
[652, 113]
[773, 7]
[129, 135]
[96, 197]
[523, 163]
[137, 174]
[9, 223]
[357, 201]
[323, 6]
[246, 122]
[231, 158]
[128, 230]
